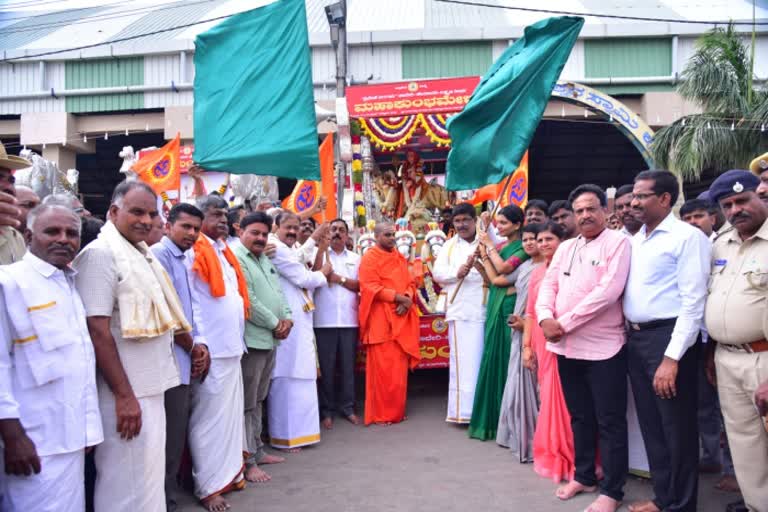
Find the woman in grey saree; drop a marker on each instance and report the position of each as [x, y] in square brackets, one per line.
[520, 406]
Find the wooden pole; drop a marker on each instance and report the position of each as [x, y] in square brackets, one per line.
[493, 213]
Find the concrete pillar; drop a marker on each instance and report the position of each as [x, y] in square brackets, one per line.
[64, 156]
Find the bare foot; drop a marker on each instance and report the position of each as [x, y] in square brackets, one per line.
[271, 459]
[353, 419]
[327, 423]
[644, 506]
[256, 474]
[603, 504]
[216, 504]
[571, 489]
[727, 483]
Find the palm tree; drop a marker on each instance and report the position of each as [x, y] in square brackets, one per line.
[728, 133]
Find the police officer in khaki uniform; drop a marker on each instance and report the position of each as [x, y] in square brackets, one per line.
[759, 166]
[735, 308]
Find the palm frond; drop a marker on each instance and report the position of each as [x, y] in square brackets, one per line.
[713, 83]
[699, 144]
[731, 48]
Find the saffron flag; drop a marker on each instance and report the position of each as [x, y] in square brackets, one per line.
[306, 192]
[160, 168]
[495, 128]
[254, 105]
[516, 193]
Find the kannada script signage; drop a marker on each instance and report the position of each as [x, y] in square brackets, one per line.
[408, 98]
[433, 340]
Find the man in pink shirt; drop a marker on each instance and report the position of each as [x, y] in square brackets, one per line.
[580, 312]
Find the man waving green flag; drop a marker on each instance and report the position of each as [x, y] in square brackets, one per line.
[491, 134]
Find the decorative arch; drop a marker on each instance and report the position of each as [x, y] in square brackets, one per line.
[633, 127]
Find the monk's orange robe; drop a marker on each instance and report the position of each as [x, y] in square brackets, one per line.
[391, 341]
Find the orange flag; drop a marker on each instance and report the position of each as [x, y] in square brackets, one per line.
[306, 193]
[517, 191]
[160, 168]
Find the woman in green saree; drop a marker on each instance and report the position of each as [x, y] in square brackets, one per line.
[501, 303]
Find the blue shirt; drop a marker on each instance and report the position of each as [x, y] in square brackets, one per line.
[172, 259]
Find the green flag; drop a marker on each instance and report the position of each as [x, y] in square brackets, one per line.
[491, 134]
[254, 102]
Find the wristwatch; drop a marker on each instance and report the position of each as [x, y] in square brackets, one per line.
[343, 280]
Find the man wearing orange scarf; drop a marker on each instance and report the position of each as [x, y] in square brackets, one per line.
[389, 328]
[219, 304]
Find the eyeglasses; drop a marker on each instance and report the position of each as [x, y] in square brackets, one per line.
[643, 197]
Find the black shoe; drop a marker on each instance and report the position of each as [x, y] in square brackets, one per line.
[736, 506]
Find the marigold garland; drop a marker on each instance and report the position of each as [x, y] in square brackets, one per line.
[390, 133]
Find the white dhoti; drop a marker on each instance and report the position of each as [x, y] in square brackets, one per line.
[59, 486]
[466, 352]
[131, 474]
[216, 427]
[294, 416]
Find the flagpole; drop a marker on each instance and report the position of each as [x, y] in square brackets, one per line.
[493, 213]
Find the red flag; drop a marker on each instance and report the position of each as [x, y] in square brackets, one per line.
[306, 193]
[160, 168]
[517, 191]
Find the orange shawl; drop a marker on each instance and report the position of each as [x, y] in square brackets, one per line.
[208, 268]
[383, 274]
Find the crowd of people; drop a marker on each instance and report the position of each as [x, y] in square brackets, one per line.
[138, 337]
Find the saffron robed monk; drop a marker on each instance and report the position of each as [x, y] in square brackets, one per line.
[389, 327]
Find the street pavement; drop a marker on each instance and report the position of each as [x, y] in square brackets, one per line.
[423, 464]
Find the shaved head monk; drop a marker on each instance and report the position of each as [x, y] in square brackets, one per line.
[389, 327]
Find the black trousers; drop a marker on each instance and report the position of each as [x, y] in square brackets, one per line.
[596, 396]
[177, 407]
[669, 426]
[336, 343]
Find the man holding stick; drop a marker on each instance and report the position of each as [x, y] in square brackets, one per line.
[465, 315]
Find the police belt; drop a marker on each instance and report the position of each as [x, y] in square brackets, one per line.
[750, 348]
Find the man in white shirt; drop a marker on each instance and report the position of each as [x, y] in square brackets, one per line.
[336, 327]
[294, 417]
[664, 308]
[219, 303]
[120, 283]
[466, 315]
[49, 412]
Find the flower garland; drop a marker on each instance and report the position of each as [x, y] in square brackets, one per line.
[428, 295]
[360, 214]
[358, 210]
[390, 133]
[436, 127]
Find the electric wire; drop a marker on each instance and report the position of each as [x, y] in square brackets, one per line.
[610, 16]
[100, 17]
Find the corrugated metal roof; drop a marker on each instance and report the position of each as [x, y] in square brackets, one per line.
[171, 15]
[413, 19]
[17, 34]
